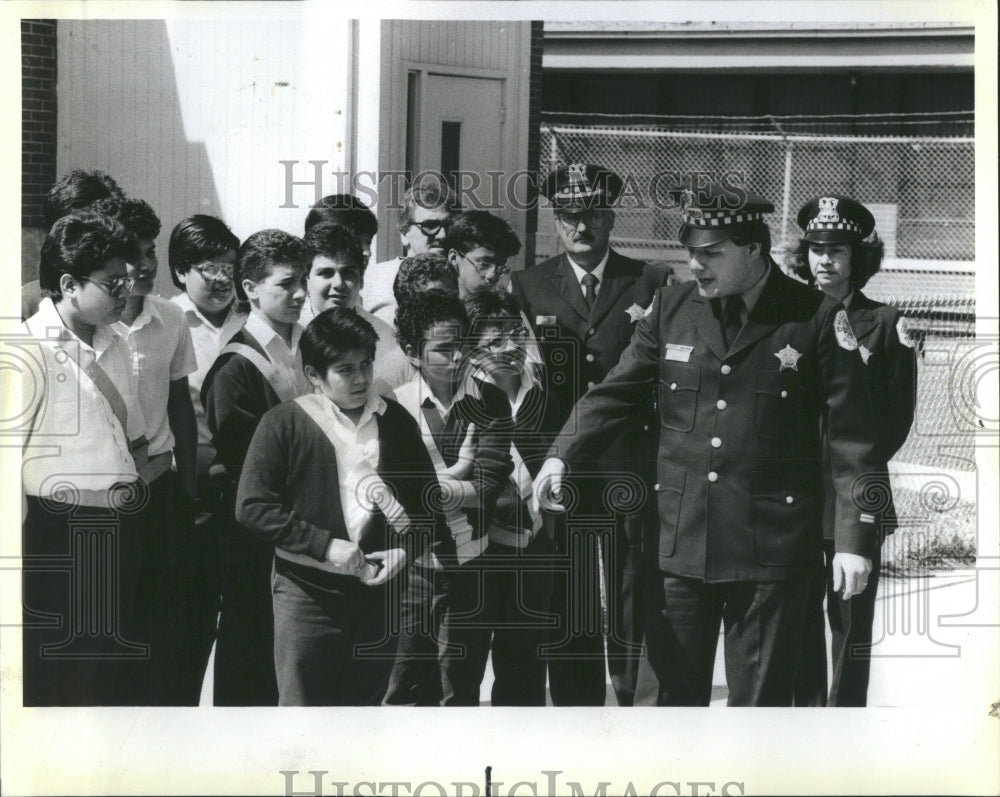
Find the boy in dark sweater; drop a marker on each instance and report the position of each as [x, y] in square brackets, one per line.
[338, 553]
[466, 427]
[256, 370]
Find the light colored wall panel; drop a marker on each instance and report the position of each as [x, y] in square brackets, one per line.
[195, 116]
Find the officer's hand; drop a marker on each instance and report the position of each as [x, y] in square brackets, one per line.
[850, 571]
[547, 487]
[345, 556]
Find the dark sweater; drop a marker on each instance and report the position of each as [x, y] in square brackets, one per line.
[289, 491]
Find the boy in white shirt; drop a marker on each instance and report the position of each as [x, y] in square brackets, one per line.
[85, 443]
[338, 552]
[256, 370]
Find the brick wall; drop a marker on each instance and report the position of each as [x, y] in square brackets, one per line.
[534, 123]
[38, 116]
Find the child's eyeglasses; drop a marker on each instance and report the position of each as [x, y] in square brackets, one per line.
[118, 287]
[484, 267]
[215, 271]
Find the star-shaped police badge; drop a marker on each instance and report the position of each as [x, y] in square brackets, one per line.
[636, 313]
[788, 357]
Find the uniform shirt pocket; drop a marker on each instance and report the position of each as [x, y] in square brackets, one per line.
[785, 514]
[678, 395]
[776, 403]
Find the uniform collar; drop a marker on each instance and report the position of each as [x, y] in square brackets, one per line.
[50, 325]
[191, 310]
[597, 271]
[752, 294]
[374, 405]
[265, 335]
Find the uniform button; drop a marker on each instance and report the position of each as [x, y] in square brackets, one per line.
[589, 385]
[713, 476]
[716, 442]
[784, 394]
[645, 427]
[590, 358]
[673, 386]
[789, 499]
[591, 332]
[656, 487]
[721, 404]
[726, 369]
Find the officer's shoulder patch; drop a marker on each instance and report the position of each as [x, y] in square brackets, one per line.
[842, 329]
[903, 331]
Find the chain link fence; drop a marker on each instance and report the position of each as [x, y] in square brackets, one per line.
[921, 191]
[919, 188]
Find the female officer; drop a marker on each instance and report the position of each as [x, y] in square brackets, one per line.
[838, 254]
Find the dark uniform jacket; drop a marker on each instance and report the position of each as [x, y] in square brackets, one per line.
[580, 347]
[738, 470]
[891, 376]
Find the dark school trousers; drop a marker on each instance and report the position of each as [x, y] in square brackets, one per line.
[80, 577]
[333, 640]
[244, 647]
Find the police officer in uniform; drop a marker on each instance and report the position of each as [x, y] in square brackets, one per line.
[583, 306]
[838, 254]
[745, 361]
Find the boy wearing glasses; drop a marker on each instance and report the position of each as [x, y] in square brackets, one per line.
[201, 254]
[466, 428]
[584, 305]
[427, 207]
[84, 447]
[519, 585]
[479, 245]
[256, 370]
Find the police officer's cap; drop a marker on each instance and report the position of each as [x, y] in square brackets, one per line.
[835, 219]
[710, 214]
[582, 185]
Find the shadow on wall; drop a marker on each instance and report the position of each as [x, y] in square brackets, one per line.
[119, 110]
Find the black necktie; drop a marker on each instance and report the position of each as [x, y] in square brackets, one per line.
[731, 321]
[589, 282]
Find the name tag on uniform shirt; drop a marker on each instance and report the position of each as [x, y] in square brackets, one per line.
[544, 320]
[677, 352]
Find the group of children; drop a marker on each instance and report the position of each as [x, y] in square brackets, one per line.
[340, 507]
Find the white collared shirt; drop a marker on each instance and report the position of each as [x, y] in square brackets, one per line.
[357, 450]
[161, 351]
[597, 271]
[377, 295]
[287, 361]
[76, 447]
[207, 340]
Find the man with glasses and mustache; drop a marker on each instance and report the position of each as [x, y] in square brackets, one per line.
[583, 305]
[428, 205]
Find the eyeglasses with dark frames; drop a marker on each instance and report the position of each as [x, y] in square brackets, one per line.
[118, 287]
